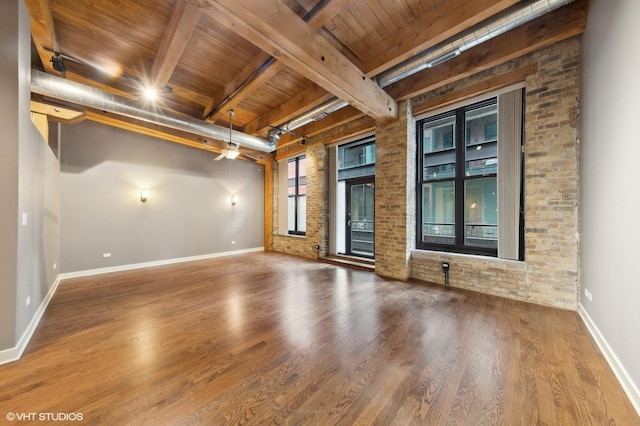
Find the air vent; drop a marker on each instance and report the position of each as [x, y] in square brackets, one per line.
[444, 58]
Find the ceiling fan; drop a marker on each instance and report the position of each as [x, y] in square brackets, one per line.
[230, 150]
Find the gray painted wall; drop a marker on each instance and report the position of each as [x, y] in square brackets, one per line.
[9, 112]
[610, 213]
[29, 174]
[189, 212]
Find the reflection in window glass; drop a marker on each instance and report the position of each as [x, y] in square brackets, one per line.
[439, 135]
[438, 212]
[302, 214]
[356, 156]
[481, 144]
[297, 189]
[458, 154]
[291, 177]
[481, 212]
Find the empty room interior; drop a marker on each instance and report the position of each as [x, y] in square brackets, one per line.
[319, 212]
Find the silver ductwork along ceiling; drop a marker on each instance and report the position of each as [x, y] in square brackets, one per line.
[87, 96]
[477, 35]
[441, 53]
[56, 87]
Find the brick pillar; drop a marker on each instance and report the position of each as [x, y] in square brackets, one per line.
[317, 198]
[552, 178]
[395, 195]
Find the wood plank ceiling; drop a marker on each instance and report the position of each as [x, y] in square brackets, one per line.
[269, 60]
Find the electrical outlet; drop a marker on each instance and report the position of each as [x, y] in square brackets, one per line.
[106, 254]
[28, 300]
[233, 242]
[587, 294]
[24, 219]
[55, 266]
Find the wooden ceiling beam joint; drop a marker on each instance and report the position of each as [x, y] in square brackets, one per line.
[296, 45]
[182, 24]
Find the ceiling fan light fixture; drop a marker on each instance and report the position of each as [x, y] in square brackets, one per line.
[231, 154]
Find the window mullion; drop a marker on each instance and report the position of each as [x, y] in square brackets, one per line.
[297, 183]
[459, 179]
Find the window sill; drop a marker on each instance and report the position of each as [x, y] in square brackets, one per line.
[424, 254]
[290, 235]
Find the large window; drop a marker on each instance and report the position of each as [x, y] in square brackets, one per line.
[297, 195]
[458, 183]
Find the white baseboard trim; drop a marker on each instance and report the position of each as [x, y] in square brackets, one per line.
[630, 388]
[90, 272]
[14, 354]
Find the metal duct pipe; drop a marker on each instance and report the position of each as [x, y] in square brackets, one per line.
[486, 31]
[80, 94]
[317, 113]
[442, 53]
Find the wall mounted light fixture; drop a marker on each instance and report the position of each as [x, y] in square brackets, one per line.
[144, 195]
[234, 200]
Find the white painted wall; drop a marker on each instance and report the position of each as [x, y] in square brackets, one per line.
[610, 174]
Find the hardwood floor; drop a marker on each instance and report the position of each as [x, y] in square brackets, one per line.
[272, 339]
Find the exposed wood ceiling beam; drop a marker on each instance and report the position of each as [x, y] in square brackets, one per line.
[167, 134]
[476, 89]
[42, 31]
[560, 24]
[43, 34]
[57, 112]
[329, 9]
[309, 98]
[450, 18]
[549, 29]
[276, 29]
[182, 24]
[338, 118]
[358, 127]
[422, 34]
[235, 91]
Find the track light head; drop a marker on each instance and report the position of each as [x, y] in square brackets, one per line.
[58, 65]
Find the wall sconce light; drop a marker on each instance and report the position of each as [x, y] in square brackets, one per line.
[144, 195]
[234, 200]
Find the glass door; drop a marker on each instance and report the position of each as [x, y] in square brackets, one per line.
[360, 217]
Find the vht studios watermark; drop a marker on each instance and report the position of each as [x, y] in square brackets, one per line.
[44, 417]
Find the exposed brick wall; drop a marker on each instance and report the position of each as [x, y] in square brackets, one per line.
[480, 273]
[317, 206]
[549, 274]
[394, 196]
[552, 176]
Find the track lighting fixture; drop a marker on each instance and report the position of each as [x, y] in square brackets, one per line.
[58, 65]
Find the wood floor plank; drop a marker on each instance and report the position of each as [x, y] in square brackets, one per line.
[266, 338]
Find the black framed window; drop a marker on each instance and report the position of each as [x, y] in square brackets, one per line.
[458, 180]
[297, 195]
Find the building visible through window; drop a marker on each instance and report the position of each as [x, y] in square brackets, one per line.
[458, 180]
[297, 195]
